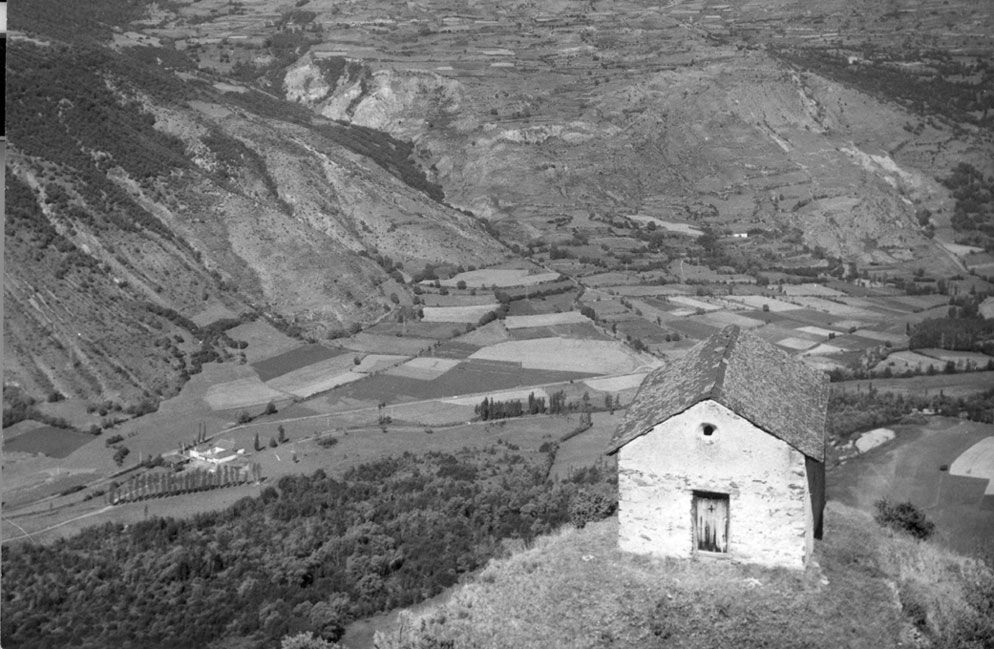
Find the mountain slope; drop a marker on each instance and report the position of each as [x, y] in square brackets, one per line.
[146, 197]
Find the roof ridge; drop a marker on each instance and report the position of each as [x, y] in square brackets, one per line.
[732, 333]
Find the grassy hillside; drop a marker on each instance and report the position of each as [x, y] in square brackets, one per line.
[871, 588]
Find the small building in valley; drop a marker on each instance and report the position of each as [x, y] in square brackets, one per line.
[213, 455]
[722, 453]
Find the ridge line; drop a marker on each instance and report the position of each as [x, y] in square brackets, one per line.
[719, 379]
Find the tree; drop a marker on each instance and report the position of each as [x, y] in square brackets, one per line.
[120, 454]
[257, 445]
[270, 408]
[282, 434]
[273, 443]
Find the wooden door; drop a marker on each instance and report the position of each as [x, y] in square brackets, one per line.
[710, 522]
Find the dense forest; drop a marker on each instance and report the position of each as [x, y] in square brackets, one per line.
[973, 215]
[934, 92]
[963, 334]
[310, 554]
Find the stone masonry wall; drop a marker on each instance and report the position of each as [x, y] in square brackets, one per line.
[769, 504]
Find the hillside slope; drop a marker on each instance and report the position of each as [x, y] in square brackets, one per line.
[147, 201]
[582, 114]
[575, 589]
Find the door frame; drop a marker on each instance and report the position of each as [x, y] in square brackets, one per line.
[696, 495]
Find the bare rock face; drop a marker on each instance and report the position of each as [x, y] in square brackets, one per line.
[404, 104]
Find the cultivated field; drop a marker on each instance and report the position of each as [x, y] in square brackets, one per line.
[46, 440]
[682, 228]
[423, 368]
[242, 393]
[264, 340]
[617, 383]
[376, 344]
[293, 359]
[318, 377]
[501, 395]
[914, 466]
[544, 320]
[463, 314]
[488, 334]
[905, 360]
[500, 277]
[457, 299]
[960, 359]
[376, 362]
[977, 462]
[564, 354]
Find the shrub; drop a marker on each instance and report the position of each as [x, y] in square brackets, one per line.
[120, 454]
[244, 417]
[904, 517]
[588, 506]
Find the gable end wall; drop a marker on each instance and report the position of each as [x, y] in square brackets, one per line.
[770, 515]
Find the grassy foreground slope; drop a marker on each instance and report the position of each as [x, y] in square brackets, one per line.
[871, 588]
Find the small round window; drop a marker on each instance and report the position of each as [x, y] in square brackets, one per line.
[708, 429]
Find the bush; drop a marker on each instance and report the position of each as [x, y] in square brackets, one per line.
[904, 517]
[120, 454]
[589, 506]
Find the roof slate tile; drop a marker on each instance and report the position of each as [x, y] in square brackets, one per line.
[758, 381]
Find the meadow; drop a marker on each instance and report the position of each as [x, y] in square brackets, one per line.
[914, 467]
[576, 589]
[46, 440]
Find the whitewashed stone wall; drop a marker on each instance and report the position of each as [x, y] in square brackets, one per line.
[770, 516]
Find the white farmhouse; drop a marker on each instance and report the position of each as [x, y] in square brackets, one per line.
[722, 454]
[215, 455]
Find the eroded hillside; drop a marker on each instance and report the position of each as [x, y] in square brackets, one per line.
[146, 204]
[224, 160]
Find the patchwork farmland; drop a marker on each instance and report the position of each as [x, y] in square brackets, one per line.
[504, 334]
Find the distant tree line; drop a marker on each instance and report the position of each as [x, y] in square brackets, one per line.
[489, 408]
[850, 412]
[963, 334]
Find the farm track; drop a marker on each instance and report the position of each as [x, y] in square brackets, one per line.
[52, 527]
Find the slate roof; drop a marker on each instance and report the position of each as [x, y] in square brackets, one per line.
[758, 381]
